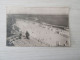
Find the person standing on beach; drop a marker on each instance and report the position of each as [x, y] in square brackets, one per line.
[27, 34]
[20, 35]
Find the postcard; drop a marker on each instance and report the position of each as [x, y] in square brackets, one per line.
[37, 27]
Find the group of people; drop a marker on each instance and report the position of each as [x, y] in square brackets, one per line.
[26, 35]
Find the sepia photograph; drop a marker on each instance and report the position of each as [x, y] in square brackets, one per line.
[37, 27]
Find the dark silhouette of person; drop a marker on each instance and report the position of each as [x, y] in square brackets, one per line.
[20, 35]
[27, 34]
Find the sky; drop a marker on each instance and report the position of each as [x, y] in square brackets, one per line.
[38, 10]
